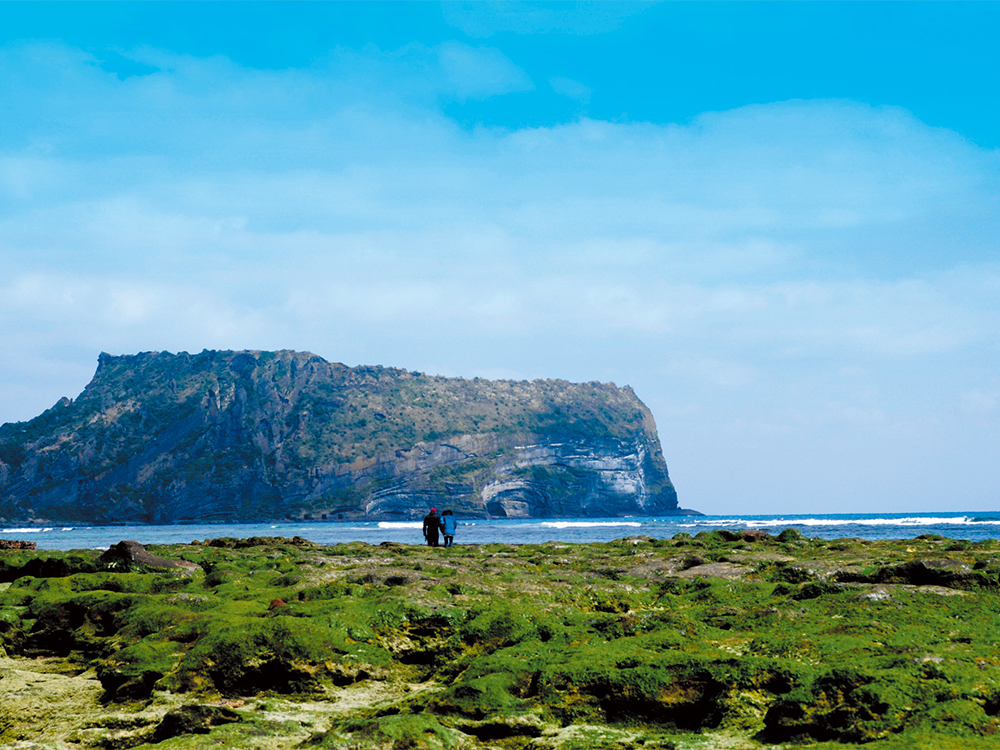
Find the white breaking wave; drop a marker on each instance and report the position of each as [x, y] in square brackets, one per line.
[912, 521]
[723, 522]
[587, 524]
[400, 524]
[35, 530]
[907, 521]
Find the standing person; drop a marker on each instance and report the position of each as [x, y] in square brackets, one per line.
[432, 524]
[448, 524]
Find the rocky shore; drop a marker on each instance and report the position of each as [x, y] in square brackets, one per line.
[724, 640]
[16, 544]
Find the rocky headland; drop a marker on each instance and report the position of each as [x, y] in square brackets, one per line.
[248, 436]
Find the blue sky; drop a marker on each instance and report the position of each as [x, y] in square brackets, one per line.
[779, 223]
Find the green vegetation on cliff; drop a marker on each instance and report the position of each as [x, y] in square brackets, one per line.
[159, 437]
[723, 640]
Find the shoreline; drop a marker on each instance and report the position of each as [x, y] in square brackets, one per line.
[969, 525]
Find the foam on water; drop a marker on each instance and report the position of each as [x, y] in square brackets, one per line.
[910, 521]
[846, 521]
[587, 524]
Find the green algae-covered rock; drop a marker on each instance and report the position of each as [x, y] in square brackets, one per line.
[533, 646]
[193, 719]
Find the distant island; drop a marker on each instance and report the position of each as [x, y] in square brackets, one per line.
[242, 436]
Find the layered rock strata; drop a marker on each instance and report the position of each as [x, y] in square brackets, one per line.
[243, 436]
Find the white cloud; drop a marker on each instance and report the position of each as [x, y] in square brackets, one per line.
[478, 73]
[732, 269]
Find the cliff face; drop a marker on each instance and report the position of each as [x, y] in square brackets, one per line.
[241, 436]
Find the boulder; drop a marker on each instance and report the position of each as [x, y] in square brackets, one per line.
[130, 555]
[791, 534]
[952, 573]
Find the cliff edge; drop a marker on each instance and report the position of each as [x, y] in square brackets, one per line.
[246, 436]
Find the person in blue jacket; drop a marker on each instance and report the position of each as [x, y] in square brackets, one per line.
[448, 524]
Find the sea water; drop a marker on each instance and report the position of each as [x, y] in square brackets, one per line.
[959, 525]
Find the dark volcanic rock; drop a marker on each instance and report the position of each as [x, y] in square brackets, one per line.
[46, 567]
[125, 684]
[129, 555]
[242, 436]
[940, 572]
[193, 719]
[52, 632]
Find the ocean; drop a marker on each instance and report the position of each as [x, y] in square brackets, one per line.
[972, 526]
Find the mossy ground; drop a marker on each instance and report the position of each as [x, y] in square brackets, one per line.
[708, 642]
